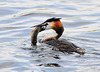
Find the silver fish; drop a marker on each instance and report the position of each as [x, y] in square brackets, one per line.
[34, 36]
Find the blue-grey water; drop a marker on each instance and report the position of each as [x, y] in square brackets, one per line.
[81, 20]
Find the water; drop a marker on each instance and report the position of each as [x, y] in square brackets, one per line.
[81, 20]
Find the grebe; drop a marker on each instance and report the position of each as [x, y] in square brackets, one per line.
[62, 44]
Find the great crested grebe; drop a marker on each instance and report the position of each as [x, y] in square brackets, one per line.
[62, 44]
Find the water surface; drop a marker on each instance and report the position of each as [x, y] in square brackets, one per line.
[81, 20]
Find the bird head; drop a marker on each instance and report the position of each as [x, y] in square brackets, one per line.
[52, 23]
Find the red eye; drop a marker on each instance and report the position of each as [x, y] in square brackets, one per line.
[46, 24]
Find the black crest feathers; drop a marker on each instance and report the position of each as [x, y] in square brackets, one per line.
[52, 19]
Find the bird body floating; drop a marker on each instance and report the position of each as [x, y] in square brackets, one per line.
[61, 44]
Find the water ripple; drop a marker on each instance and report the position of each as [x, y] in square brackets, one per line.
[81, 22]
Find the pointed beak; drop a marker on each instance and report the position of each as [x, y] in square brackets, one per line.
[42, 26]
[37, 25]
